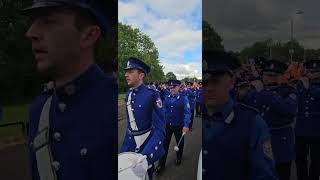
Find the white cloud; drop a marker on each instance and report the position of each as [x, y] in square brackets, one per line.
[169, 27]
[184, 70]
[174, 8]
[174, 37]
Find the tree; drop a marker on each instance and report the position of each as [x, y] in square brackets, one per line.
[133, 43]
[19, 79]
[170, 76]
[190, 79]
[210, 39]
[278, 49]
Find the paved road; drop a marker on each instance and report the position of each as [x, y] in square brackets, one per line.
[188, 169]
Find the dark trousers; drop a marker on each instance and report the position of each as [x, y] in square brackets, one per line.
[192, 116]
[308, 146]
[177, 131]
[283, 170]
[150, 172]
[198, 109]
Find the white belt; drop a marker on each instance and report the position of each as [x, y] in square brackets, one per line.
[42, 147]
[141, 138]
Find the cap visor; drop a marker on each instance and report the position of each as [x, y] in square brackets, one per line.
[39, 5]
[127, 68]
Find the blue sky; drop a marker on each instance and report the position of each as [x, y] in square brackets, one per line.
[174, 27]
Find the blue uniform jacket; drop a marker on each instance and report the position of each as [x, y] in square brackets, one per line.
[83, 133]
[149, 113]
[191, 97]
[199, 96]
[278, 108]
[236, 147]
[177, 110]
[164, 93]
[308, 123]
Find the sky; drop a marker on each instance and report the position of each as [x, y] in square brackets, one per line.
[174, 26]
[241, 23]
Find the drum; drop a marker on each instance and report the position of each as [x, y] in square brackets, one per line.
[126, 161]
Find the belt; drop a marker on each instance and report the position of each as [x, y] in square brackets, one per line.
[281, 127]
[140, 132]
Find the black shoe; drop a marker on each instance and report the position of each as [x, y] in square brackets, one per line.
[159, 169]
[178, 162]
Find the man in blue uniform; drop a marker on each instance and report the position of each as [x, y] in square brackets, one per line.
[163, 91]
[177, 116]
[146, 125]
[278, 107]
[307, 127]
[198, 99]
[188, 91]
[72, 133]
[258, 65]
[235, 142]
[242, 87]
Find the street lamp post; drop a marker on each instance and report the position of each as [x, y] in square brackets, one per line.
[291, 51]
[270, 49]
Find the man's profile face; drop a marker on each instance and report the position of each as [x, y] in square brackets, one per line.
[216, 89]
[174, 90]
[55, 40]
[133, 77]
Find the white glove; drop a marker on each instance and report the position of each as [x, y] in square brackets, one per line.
[258, 85]
[141, 167]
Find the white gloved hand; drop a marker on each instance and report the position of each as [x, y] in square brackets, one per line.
[141, 167]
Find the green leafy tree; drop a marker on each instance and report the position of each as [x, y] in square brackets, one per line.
[170, 76]
[190, 79]
[133, 43]
[210, 39]
[276, 50]
[19, 80]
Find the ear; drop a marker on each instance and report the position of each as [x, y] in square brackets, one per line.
[141, 75]
[89, 36]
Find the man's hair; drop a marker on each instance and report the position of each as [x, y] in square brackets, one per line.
[83, 19]
[140, 71]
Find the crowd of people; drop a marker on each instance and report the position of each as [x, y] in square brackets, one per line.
[154, 113]
[260, 117]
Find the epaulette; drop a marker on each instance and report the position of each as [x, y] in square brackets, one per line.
[251, 108]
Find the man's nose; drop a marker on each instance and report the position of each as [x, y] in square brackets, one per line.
[34, 33]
